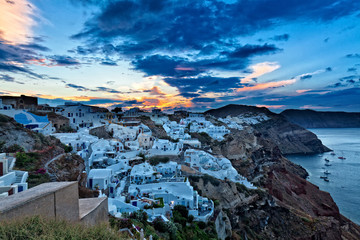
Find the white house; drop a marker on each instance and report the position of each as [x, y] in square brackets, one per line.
[165, 147]
[11, 182]
[143, 173]
[99, 179]
[82, 115]
[4, 106]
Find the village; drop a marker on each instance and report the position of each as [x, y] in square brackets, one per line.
[132, 167]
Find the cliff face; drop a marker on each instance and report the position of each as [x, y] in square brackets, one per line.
[13, 133]
[315, 119]
[285, 206]
[289, 137]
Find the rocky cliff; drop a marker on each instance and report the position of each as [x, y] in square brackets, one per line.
[316, 119]
[289, 137]
[285, 205]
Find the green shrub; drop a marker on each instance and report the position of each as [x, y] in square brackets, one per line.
[39, 228]
[14, 148]
[156, 160]
[26, 160]
[67, 148]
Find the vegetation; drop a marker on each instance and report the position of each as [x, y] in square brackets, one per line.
[206, 178]
[27, 161]
[4, 119]
[67, 148]
[14, 148]
[37, 179]
[156, 160]
[39, 228]
[66, 129]
[182, 226]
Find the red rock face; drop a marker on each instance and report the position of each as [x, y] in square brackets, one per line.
[294, 192]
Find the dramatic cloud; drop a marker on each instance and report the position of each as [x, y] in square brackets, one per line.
[252, 50]
[190, 86]
[7, 78]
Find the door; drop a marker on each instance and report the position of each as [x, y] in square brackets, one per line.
[1, 168]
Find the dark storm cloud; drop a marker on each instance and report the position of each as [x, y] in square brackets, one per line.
[190, 86]
[252, 50]
[147, 25]
[166, 66]
[153, 35]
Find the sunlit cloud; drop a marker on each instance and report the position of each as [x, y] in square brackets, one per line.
[16, 20]
[262, 86]
[303, 90]
[260, 69]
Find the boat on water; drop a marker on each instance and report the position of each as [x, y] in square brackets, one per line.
[326, 180]
[327, 164]
[327, 160]
[326, 172]
[342, 158]
[332, 154]
[323, 177]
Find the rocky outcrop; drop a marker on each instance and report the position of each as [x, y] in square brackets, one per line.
[290, 138]
[13, 133]
[100, 132]
[223, 226]
[316, 119]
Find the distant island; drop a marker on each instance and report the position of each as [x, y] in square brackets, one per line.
[316, 119]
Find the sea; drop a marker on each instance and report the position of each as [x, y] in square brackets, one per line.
[344, 177]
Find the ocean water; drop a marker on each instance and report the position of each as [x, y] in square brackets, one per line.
[344, 177]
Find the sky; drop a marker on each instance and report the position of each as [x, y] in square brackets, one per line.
[177, 54]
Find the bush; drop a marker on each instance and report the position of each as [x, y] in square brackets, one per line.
[39, 228]
[37, 179]
[201, 225]
[14, 148]
[26, 160]
[67, 148]
[156, 160]
[182, 210]
[207, 178]
[159, 225]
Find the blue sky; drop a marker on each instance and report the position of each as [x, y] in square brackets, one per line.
[183, 54]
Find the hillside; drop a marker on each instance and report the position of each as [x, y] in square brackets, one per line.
[316, 119]
[289, 137]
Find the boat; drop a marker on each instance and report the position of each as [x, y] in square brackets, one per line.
[342, 158]
[326, 180]
[327, 160]
[326, 172]
[327, 164]
[323, 177]
[332, 154]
